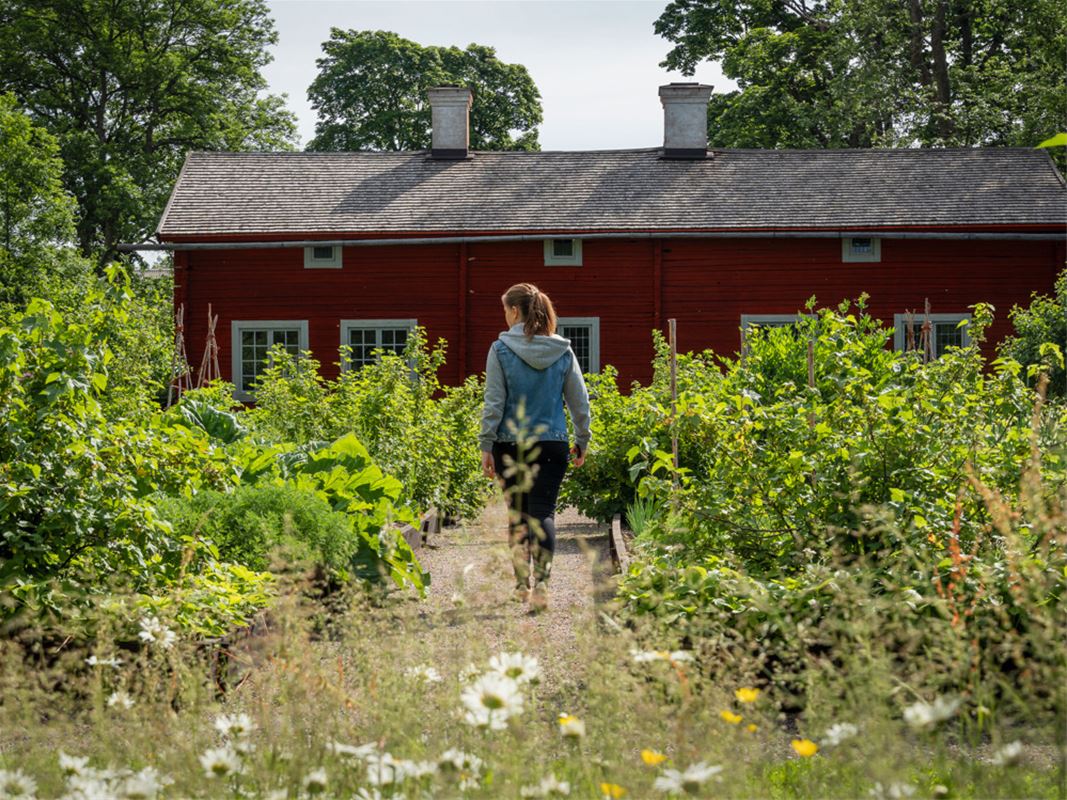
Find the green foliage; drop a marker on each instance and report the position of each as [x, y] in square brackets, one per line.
[67, 487]
[370, 94]
[36, 214]
[248, 525]
[858, 73]
[422, 433]
[1041, 336]
[128, 87]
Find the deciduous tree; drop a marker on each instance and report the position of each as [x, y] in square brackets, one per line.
[370, 94]
[129, 86]
[860, 73]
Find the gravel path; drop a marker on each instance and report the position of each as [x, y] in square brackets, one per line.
[469, 612]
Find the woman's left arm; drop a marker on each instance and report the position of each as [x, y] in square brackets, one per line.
[576, 397]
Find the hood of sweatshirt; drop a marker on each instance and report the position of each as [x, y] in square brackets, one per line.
[540, 352]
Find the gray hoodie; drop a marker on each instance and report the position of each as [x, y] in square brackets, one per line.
[539, 352]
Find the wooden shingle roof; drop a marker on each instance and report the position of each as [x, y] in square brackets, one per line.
[247, 194]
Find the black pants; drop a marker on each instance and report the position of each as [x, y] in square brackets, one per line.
[532, 520]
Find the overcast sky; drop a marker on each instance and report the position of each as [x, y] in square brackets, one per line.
[596, 62]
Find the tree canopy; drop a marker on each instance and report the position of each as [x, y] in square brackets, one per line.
[37, 217]
[862, 73]
[370, 94]
[127, 87]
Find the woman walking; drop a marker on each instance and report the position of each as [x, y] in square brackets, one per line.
[529, 374]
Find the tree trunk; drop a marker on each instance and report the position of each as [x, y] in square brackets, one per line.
[942, 86]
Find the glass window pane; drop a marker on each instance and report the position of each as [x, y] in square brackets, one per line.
[563, 248]
[580, 337]
[322, 253]
[946, 334]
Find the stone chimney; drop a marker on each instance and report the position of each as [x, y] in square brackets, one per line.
[685, 120]
[451, 107]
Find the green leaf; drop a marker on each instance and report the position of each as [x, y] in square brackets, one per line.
[1059, 140]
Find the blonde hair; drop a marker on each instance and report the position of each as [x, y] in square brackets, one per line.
[538, 314]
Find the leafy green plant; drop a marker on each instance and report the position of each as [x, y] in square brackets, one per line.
[1040, 336]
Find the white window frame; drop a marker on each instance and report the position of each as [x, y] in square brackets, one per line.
[238, 326]
[900, 334]
[333, 262]
[573, 260]
[849, 256]
[371, 324]
[594, 336]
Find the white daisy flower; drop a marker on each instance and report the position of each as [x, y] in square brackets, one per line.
[383, 770]
[459, 761]
[926, 715]
[417, 770]
[235, 725]
[675, 781]
[570, 727]
[155, 632]
[221, 762]
[491, 700]
[550, 786]
[16, 783]
[838, 733]
[96, 661]
[424, 672]
[520, 668]
[361, 751]
[671, 656]
[120, 699]
[895, 791]
[469, 673]
[315, 781]
[143, 785]
[72, 765]
[1007, 755]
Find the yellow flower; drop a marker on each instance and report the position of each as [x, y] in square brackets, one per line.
[805, 747]
[571, 726]
[746, 695]
[731, 717]
[612, 790]
[752, 728]
[652, 758]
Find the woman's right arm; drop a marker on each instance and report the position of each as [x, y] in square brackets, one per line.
[495, 399]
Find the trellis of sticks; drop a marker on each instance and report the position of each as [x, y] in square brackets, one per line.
[181, 378]
[209, 364]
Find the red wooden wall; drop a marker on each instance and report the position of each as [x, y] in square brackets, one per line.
[631, 285]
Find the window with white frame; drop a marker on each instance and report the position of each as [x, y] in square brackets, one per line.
[252, 342]
[584, 335]
[364, 336]
[322, 257]
[861, 249]
[563, 252]
[946, 331]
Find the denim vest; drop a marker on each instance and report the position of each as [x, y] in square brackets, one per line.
[538, 391]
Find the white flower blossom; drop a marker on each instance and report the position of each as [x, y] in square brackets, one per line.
[424, 672]
[469, 673]
[121, 699]
[550, 786]
[362, 751]
[234, 725]
[491, 700]
[675, 781]
[383, 770]
[1008, 755]
[155, 632]
[221, 762]
[895, 791]
[926, 715]
[670, 656]
[315, 781]
[72, 765]
[570, 727]
[143, 785]
[96, 661]
[16, 783]
[520, 668]
[838, 733]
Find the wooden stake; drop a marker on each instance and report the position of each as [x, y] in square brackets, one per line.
[181, 379]
[209, 364]
[672, 325]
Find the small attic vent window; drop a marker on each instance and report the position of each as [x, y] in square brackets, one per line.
[563, 252]
[861, 248]
[322, 257]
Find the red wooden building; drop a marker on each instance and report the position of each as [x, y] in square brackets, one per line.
[315, 250]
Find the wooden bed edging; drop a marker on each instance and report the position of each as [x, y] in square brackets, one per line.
[429, 523]
[619, 553]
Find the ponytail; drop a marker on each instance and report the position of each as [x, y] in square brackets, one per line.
[538, 313]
